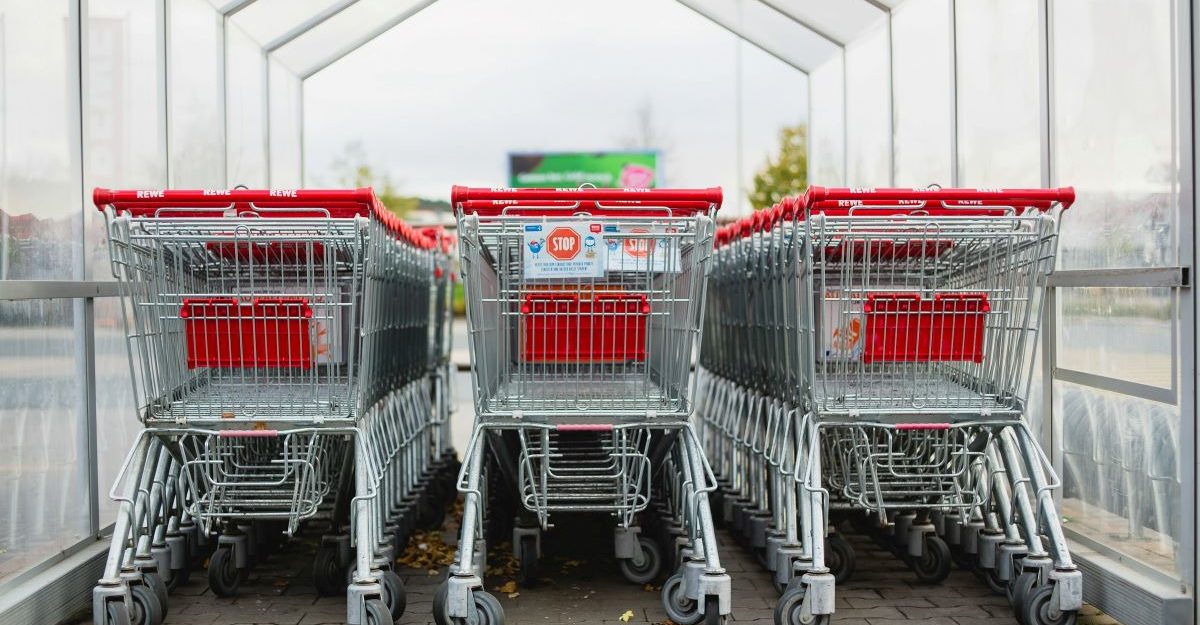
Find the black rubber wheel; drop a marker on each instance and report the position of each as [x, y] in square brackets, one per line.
[156, 583]
[840, 558]
[790, 609]
[712, 611]
[146, 609]
[487, 609]
[439, 604]
[375, 612]
[328, 576]
[223, 577]
[932, 566]
[117, 613]
[1021, 588]
[179, 577]
[647, 569]
[394, 594]
[679, 608]
[529, 562]
[1038, 609]
[990, 577]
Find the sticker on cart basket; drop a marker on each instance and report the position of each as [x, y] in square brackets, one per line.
[642, 248]
[840, 328]
[563, 249]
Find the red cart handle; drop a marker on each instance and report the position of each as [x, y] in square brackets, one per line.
[277, 203]
[1018, 197]
[689, 201]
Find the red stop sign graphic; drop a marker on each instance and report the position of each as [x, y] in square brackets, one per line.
[563, 243]
[639, 248]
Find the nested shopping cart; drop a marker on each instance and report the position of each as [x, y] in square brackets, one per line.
[583, 307]
[280, 351]
[891, 337]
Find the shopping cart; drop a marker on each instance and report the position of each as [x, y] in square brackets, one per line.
[890, 337]
[583, 307]
[280, 353]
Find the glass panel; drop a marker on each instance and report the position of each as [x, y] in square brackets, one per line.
[265, 20]
[116, 412]
[868, 118]
[998, 126]
[43, 481]
[286, 126]
[1119, 333]
[921, 73]
[196, 111]
[39, 195]
[843, 21]
[827, 128]
[246, 92]
[125, 124]
[1121, 472]
[766, 84]
[1114, 116]
[335, 35]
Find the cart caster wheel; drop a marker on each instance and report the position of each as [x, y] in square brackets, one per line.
[997, 585]
[439, 604]
[147, 610]
[223, 576]
[646, 569]
[375, 612]
[394, 594]
[932, 566]
[156, 584]
[529, 562]
[328, 575]
[962, 559]
[179, 577]
[712, 611]
[790, 609]
[680, 609]
[487, 609]
[1019, 590]
[1039, 609]
[117, 613]
[840, 558]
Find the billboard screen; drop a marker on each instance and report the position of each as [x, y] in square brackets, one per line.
[636, 169]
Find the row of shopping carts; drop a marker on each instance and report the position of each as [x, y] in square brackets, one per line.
[584, 309]
[289, 352]
[866, 360]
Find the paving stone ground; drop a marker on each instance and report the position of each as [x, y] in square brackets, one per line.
[581, 584]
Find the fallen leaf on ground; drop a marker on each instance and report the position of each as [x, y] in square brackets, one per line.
[507, 587]
[513, 595]
[627, 616]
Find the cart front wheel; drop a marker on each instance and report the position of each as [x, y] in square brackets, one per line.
[933, 566]
[790, 609]
[678, 606]
[840, 558]
[1039, 609]
[376, 612]
[147, 610]
[643, 569]
[394, 594]
[117, 613]
[223, 576]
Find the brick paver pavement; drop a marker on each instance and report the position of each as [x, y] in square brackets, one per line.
[581, 584]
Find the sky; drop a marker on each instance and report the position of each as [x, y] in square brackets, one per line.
[443, 97]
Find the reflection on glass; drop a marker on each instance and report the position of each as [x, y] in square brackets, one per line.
[285, 126]
[1119, 333]
[998, 127]
[868, 122]
[39, 199]
[194, 97]
[42, 477]
[1114, 111]
[827, 154]
[246, 92]
[921, 73]
[1121, 472]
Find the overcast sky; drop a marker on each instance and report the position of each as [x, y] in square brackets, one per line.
[442, 98]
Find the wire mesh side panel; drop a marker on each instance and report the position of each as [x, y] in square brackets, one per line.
[241, 318]
[923, 315]
[616, 341]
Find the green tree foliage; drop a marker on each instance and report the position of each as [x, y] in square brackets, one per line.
[786, 173]
[353, 171]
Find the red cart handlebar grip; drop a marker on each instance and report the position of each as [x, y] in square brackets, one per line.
[1020, 197]
[649, 197]
[304, 203]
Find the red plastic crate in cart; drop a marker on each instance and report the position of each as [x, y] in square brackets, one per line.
[268, 332]
[904, 327]
[565, 328]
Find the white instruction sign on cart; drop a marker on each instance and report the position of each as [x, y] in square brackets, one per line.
[642, 248]
[564, 249]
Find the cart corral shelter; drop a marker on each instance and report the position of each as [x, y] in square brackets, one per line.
[207, 94]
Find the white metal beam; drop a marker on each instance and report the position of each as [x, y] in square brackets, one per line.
[307, 25]
[816, 30]
[740, 32]
[383, 27]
